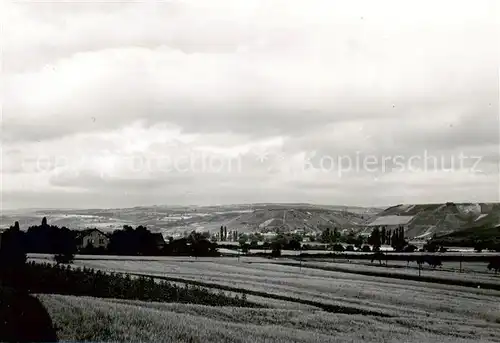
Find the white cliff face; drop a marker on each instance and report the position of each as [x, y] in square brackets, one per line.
[470, 209]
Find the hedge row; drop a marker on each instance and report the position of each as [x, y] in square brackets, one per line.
[58, 279]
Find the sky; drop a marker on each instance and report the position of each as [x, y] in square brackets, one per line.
[127, 103]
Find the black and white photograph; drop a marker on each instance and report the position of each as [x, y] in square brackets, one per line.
[250, 171]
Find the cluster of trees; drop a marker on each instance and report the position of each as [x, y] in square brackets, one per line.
[491, 245]
[280, 242]
[494, 264]
[333, 238]
[329, 236]
[225, 236]
[396, 238]
[12, 255]
[51, 239]
[223, 233]
[433, 247]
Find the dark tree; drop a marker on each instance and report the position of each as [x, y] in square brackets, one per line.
[383, 236]
[294, 244]
[336, 235]
[433, 261]
[378, 256]
[388, 237]
[338, 247]
[480, 246]
[494, 264]
[398, 241]
[410, 248]
[276, 249]
[12, 257]
[64, 258]
[430, 247]
[359, 242]
[245, 248]
[375, 238]
[326, 236]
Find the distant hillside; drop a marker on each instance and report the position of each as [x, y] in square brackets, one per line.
[423, 220]
[484, 228]
[277, 218]
[179, 219]
[427, 220]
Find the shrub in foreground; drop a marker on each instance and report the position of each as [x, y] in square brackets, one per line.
[59, 279]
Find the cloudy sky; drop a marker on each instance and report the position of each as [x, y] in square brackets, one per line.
[125, 103]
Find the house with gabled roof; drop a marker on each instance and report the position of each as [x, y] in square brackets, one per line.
[92, 237]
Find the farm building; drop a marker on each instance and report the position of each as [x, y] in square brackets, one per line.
[94, 237]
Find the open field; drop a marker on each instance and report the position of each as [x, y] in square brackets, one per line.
[471, 271]
[450, 270]
[392, 297]
[90, 319]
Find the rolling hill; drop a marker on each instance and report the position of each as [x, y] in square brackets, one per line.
[423, 220]
[171, 220]
[427, 220]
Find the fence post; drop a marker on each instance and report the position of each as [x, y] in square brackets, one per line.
[461, 262]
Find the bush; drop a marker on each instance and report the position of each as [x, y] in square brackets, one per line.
[276, 252]
[349, 248]
[64, 258]
[338, 247]
[245, 248]
[410, 248]
[366, 248]
[431, 247]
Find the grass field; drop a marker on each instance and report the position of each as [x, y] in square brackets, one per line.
[392, 296]
[442, 312]
[90, 319]
[471, 271]
[451, 266]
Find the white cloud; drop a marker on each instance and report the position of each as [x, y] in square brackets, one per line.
[92, 85]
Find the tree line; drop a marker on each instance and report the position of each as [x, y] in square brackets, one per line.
[51, 239]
